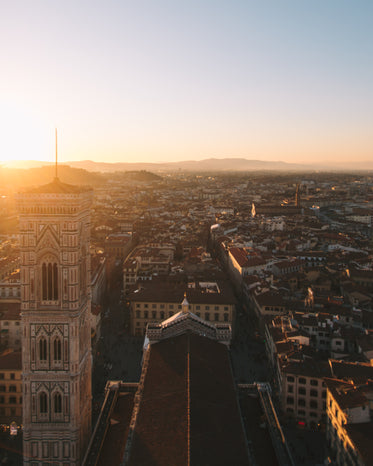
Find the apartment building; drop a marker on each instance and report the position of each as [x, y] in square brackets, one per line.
[10, 326]
[303, 393]
[157, 300]
[11, 388]
[349, 424]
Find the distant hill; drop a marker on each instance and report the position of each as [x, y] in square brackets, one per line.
[226, 164]
[137, 175]
[18, 179]
[208, 165]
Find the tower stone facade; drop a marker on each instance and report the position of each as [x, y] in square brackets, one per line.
[56, 346]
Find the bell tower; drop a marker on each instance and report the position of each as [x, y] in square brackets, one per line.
[55, 310]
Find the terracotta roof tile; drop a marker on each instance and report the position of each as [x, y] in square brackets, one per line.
[188, 374]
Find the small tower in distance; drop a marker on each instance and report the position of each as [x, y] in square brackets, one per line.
[297, 196]
[185, 305]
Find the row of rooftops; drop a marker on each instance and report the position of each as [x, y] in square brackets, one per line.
[320, 325]
[176, 218]
[350, 383]
[168, 220]
[163, 290]
[179, 194]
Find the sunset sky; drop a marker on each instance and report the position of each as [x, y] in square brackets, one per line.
[158, 80]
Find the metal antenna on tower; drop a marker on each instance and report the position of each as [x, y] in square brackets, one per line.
[56, 155]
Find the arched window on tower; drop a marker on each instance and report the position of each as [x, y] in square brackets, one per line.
[44, 281]
[57, 402]
[49, 280]
[43, 403]
[57, 349]
[42, 349]
[55, 282]
[83, 276]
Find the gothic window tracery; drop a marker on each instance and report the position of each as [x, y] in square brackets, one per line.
[57, 403]
[57, 349]
[42, 349]
[43, 403]
[49, 274]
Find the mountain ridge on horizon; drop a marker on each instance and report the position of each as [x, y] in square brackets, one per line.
[209, 164]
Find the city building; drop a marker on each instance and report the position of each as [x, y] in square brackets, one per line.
[10, 289]
[303, 391]
[130, 271]
[157, 300]
[118, 245]
[10, 326]
[56, 322]
[350, 428]
[11, 388]
[146, 262]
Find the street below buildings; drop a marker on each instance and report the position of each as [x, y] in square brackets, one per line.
[308, 448]
[117, 354]
[249, 362]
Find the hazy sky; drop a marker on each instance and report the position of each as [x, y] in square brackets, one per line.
[158, 80]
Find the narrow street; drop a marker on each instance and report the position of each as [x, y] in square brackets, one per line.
[248, 356]
[117, 355]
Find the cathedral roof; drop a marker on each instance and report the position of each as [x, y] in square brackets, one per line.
[185, 411]
[183, 322]
[188, 406]
[183, 316]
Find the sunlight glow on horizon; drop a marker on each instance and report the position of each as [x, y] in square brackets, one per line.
[26, 136]
[139, 82]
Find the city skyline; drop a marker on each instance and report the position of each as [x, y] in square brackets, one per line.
[166, 81]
